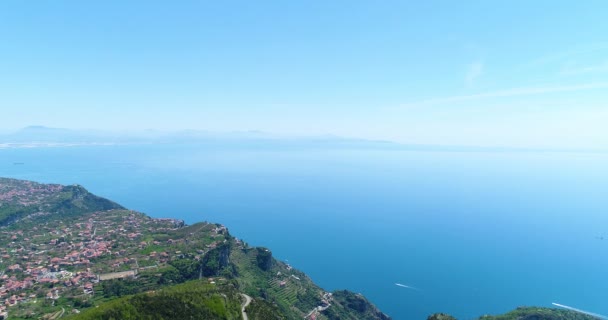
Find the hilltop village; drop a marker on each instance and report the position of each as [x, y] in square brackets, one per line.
[56, 259]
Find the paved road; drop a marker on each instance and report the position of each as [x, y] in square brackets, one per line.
[247, 302]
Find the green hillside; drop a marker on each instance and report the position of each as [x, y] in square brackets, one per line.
[193, 300]
[19, 199]
[66, 253]
[526, 313]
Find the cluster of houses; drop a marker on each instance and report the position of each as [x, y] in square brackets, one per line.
[25, 193]
[67, 257]
[324, 305]
[46, 260]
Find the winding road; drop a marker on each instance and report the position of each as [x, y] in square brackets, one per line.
[247, 302]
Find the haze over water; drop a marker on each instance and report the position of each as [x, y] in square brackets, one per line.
[474, 232]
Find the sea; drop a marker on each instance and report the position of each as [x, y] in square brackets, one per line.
[416, 231]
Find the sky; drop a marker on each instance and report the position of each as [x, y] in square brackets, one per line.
[484, 73]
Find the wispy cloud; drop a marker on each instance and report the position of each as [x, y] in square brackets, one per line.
[514, 92]
[574, 70]
[559, 57]
[474, 71]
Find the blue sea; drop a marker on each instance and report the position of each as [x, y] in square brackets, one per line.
[473, 232]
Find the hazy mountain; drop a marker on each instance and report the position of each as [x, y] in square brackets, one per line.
[41, 135]
[33, 136]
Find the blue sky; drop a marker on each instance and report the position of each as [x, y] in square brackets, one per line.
[496, 73]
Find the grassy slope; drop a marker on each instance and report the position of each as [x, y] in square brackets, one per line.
[192, 300]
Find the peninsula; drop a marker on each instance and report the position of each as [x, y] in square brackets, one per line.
[66, 253]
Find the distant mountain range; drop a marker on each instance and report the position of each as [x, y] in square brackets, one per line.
[41, 136]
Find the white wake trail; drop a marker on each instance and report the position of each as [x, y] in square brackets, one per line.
[580, 311]
[406, 286]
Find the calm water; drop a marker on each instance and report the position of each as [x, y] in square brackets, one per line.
[474, 232]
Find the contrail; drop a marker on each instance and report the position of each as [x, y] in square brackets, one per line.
[580, 311]
[407, 287]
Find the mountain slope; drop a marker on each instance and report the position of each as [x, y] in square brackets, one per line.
[193, 300]
[19, 198]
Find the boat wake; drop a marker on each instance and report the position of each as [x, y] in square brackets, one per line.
[406, 286]
[580, 311]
